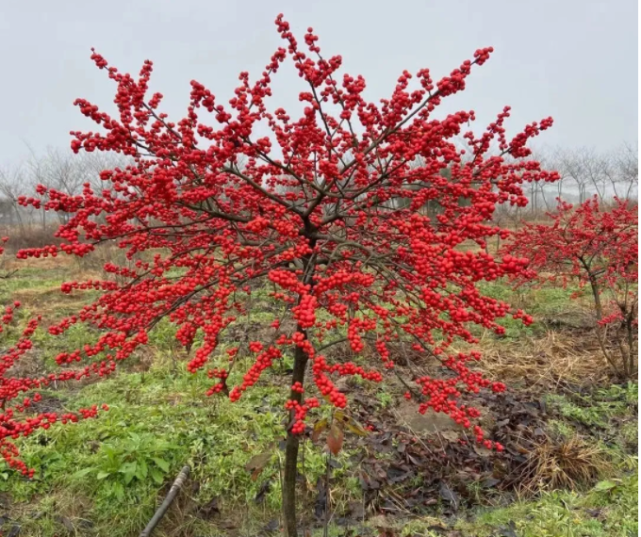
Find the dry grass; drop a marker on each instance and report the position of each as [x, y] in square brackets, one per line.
[550, 361]
[10, 263]
[561, 464]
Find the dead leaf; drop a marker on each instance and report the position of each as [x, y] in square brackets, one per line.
[483, 451]
[452, 436]
[335, 439]
[272, 526]
[449, 496]
[210, 509]
[490, 482]
[262, 491]
[351, 424]
[257, 463]
[319, 427]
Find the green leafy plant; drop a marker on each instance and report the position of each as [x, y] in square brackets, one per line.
[137, 457]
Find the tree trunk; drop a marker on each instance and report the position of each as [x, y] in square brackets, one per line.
[600, 331]
[291, 451]
[292, 444]
[632, 351]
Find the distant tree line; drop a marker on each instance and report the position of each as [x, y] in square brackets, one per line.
[585, 172]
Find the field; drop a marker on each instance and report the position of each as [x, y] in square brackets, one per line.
[569, 468]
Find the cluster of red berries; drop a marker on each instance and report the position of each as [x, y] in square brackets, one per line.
[442, 397]
[299, 412]
[325, 385]
[304, 312]
[263, 361]
[309, 213]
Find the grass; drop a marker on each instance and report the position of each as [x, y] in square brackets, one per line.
[608, 509]
[156, 423]
[599, 408]
[544, 304]
[105, 476]
[610, 412]
[85, 474]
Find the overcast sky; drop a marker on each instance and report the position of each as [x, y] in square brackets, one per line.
[575, 60]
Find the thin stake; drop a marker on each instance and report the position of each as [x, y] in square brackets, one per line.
[173, 491]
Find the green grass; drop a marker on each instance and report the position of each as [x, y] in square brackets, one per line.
[599, 409]
[105, 475]
[116, 465]
[610, 509]
[543, 304]
[156, 423]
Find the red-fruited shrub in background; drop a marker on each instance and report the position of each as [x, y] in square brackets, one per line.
[598, 249]
[324, 212]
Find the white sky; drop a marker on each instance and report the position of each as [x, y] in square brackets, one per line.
[576, 60]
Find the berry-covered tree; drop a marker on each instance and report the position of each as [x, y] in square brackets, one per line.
[597, 248]
[324, 210]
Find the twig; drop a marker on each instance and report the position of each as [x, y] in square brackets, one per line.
[173, 491]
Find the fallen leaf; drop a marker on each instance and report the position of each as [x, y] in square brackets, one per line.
[449, 496]
[452, 436]
[262, 491]
[490, 482]
[272, 525]
[483, 451]
[257, 464]
[209, 509]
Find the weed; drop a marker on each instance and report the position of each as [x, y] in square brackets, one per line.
[385, 399]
